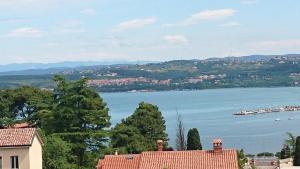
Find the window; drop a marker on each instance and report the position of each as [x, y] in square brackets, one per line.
[0, 162]
[14, 161]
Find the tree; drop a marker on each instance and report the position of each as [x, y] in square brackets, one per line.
[291, 141]
[56, 153]
[7, 117]
[78, 116]
[285, 152]
[23, 104]
[242, 159]
[128, 139]
[140, 131]
[180, 134]
[193, 140]
[297, 152]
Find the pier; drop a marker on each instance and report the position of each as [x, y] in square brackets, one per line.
[268, 110]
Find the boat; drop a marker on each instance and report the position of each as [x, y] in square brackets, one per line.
[291, 118]
[277, 119]
[245, 112]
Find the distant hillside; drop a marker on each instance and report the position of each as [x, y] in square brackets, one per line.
[51, 68]
[230, 72]
[255, 58]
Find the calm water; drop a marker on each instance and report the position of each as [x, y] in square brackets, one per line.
[211, 112]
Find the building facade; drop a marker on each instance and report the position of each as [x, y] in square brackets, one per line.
[20, 148]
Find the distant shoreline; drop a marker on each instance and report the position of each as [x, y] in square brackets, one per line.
[225, 88]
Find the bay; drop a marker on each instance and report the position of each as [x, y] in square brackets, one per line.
[210, 111]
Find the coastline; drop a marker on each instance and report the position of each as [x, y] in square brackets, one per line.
[224, 88]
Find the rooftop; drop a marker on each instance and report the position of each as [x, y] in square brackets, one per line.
[16, 137]
[196, 159]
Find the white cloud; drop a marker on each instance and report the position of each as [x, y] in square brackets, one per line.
[136, 23]
[209, 15]
[176, 39]
[206, 15]
[230, 24]
[88, 11]
[27, 32]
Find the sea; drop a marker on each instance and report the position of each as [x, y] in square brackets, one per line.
[211, 112]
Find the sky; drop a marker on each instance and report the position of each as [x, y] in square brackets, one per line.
[48, 31]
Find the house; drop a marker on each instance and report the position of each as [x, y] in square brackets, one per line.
[20, 148]
[218, 158]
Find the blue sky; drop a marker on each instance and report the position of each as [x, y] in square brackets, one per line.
[138, 30]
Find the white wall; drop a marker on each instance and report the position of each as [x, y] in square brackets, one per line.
[35, 154]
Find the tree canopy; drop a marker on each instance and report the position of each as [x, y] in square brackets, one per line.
[140, 131]
[193, 140]
[23, 105]
[73, 118]
[79, 116]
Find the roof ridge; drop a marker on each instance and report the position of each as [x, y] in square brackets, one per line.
[186, 151]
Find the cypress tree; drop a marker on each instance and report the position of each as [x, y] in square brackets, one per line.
[193, 140]
[297, 152]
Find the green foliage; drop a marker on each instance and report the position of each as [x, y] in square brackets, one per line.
[140, 131]
[78, 116]
[73, 117]
[297, 152]
[285, 152]
[291, 141]
[22, 105]
[242, 159]
[193, 140]
[56, 153]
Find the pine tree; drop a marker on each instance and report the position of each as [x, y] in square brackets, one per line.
[140, 131]
[78, 116]
[193, 140]
[297, 152]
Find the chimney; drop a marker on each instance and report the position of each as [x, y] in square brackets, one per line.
[160, 145]
[217, 144]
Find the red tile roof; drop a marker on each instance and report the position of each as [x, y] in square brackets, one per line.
[21, 125]
[120, 162]
[196, 159]
[17, 137]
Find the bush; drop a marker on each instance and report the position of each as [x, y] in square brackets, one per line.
[297, 152]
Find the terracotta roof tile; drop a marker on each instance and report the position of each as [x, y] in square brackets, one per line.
[173, 160]
[16, 137]
[120, 162]
[189, 159]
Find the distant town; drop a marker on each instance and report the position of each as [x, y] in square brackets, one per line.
[230, 72]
